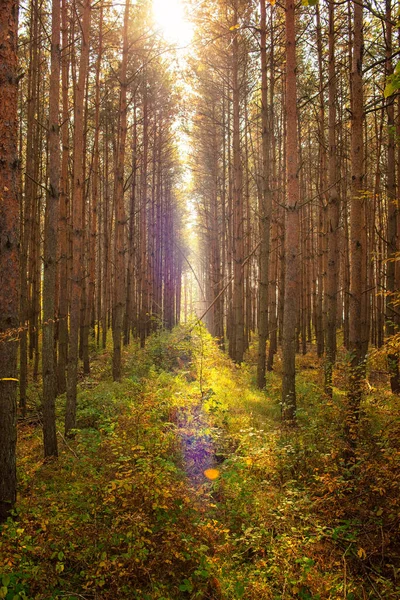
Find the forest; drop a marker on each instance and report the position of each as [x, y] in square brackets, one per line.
[199, 299]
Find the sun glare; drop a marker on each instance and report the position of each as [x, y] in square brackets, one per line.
[171, 19]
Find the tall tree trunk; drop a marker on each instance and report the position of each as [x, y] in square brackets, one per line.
[107, 223]
[77, 224]
[130, 281]
[321, 189]
[94, 213]
[265, 209]
[9, 254]
[358, 332]
[27, 215]
[273, 277]
[86, 217]
[238, 214]
[333, 215]
[63, 215]
[119, 207]
[393, 214]
[291, 304]
[143, 300]
[50, 245]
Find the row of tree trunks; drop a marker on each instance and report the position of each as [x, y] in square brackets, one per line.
[320, 189]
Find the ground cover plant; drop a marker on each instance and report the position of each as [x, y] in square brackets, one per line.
[180, 482]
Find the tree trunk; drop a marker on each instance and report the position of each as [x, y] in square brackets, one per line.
[77, 224]
[292, 264]
[50, 245]
[238, 216]
[265, 209]
[63, 216]
[333, 215]
[27, 216]
[392, 225]
[358, 330]
[9, 255]
[119, 207]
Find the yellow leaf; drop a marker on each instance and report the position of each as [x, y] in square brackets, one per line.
[249, 462]
[211, 474]
[272, 2]
[234, 27]
[361, 553]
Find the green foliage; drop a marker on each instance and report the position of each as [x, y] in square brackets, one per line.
[12, 587]
[393, 82]
[127, 512]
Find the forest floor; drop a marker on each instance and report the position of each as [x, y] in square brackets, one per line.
[180, 482]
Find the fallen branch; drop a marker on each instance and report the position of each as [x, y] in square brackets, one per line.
[66, 443]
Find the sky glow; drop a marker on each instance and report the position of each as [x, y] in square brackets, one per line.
[170, 18]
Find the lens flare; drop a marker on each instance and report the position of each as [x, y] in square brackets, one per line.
[211, 474]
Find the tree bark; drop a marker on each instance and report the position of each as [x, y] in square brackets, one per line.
[50, 245]
[119, 207]
[358, 330]
[77, 224]
[393, 215]
[63, 215]
[292, 263]
[9, 254]
[265, 209]
[333, 214]
[238, 216]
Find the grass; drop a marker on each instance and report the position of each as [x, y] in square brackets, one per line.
[127, 511]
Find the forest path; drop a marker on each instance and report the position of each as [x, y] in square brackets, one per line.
[225, 395]
[224, 425]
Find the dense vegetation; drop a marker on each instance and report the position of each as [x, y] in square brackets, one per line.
[128, 512]
[250, 178]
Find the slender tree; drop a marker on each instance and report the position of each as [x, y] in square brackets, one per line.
[358, 332]
[393, 213]
[237, 200]
[50, 245]
[77, 221]
[119, 206]
[265, 208]
[9, 254]
[63, 237]
[292, 262]
[333, 214]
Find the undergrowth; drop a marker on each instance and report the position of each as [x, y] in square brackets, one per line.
[127, 511]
